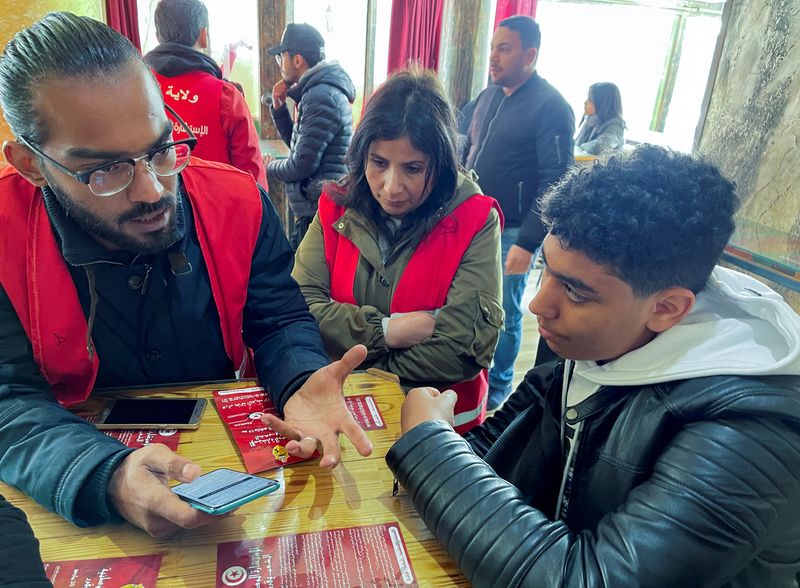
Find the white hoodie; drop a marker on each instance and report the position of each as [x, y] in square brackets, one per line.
[738, 326]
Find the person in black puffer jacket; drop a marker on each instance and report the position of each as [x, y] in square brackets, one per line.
[321, 132]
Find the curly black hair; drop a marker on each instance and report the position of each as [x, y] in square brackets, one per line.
[657, 218]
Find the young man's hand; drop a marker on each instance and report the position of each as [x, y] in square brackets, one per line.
[139, 491]
[317, 413]
[427, 404]
[279, 92]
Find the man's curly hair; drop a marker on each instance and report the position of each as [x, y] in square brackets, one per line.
[655, 217]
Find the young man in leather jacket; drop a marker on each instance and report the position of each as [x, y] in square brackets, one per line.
[665, 449]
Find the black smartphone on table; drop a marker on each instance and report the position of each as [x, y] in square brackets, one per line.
[151, 413]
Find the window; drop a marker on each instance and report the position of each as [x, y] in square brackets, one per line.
[658, 53]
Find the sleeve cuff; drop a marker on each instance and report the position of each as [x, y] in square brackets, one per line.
[92, 504]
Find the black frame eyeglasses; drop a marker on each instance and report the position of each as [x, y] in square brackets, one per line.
[112, 177]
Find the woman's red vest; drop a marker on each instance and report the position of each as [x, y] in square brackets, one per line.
[425, 282]
[227, 217]
[196, 97]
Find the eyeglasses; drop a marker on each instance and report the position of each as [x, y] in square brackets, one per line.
[112, 177]
[279, 58]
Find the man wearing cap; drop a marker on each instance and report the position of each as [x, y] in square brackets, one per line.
[192, 85]
[320, 133]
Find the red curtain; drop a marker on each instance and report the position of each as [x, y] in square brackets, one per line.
[122, 16]
[414, 33]
[506, 8]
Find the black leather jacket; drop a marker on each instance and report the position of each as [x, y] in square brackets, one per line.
[318, 139]
[693, 483]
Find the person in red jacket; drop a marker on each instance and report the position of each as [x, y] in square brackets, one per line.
[192, 84]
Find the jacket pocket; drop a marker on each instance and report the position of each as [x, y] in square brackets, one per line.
[486, 325]
[519, 197]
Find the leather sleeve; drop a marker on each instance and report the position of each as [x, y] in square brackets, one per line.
[719, 491]
[20, 564]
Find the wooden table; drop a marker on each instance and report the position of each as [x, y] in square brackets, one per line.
[357, 492]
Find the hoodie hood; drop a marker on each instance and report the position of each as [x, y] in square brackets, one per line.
[330, 73]
[738, 326]
[174, 59]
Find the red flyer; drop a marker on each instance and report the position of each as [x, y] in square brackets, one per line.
[365, 410]
[261, 448]
[116, 572]
[137, 438]
[373, 555]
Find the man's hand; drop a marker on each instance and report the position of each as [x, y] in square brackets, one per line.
[518, 260]
[267, 160]
[138, 489]
[279, 91]
[408, 329]
[317, 413]
[427, 404]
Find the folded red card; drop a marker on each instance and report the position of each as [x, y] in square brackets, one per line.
[262, 448]
[373, 555]
[122, 572]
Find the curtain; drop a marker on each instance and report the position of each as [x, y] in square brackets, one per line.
[415, 29]
[122, 16]
[506, 8]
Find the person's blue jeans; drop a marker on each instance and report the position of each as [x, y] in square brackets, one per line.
[502, 370]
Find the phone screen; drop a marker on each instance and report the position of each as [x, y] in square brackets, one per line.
[224, 488]
[127, 411]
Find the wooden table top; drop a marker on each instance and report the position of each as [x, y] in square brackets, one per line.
[357, 492]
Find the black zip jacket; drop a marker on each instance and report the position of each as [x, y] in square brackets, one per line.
[156, 323]
[692, 483]
[519, 145]
[318, 139]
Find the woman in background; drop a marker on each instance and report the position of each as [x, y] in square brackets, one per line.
[404, 253]
[602, 127]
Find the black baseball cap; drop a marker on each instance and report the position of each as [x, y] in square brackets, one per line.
[299, 38]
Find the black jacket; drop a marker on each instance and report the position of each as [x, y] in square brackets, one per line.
[20, 562]
[519, 145]
[156, 323]
[694, 483]
[319, 139]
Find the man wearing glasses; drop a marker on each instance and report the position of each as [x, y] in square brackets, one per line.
[320, 133]
[125, 262]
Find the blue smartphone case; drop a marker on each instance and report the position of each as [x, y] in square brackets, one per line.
[223, 490]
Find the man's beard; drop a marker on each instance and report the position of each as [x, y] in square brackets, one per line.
[111, 232]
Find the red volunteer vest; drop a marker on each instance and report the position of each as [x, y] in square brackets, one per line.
[226, 204]
[425, 281]
[196, 97]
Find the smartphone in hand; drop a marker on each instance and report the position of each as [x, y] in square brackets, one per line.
[223, 490]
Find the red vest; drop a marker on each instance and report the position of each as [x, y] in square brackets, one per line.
[425, 281]
[225, 202]
[196, 97]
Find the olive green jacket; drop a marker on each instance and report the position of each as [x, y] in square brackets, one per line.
[467, 326]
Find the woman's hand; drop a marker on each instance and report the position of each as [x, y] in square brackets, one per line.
[408, 329]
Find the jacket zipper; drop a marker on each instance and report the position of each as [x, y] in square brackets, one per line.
[146, 280]
[558, 147]
[519, 198]
[488, 131]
